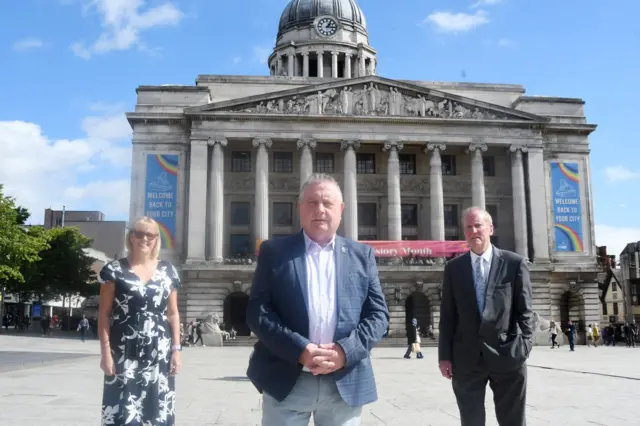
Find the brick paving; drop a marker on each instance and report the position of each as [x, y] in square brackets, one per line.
[58, 380]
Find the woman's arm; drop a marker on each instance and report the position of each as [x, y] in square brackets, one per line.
[107, 292]
[173, 317]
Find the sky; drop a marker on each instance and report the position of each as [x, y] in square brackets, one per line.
[69, 70]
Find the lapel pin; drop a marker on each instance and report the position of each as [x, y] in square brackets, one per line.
[343, 249]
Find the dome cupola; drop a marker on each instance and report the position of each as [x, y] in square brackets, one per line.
[322, 38]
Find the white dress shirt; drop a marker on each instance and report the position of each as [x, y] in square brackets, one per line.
[321, 291]
[486, 264]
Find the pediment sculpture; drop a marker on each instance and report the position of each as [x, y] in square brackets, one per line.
[371, 99]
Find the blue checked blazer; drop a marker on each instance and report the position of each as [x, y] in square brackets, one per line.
[277, 314]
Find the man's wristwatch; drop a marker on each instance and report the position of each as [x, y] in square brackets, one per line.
[176, 348]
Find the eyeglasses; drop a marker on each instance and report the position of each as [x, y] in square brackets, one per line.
[141, 234]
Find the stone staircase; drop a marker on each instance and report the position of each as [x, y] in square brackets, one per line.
[392, 342]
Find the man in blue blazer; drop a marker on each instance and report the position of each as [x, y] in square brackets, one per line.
[317, 308]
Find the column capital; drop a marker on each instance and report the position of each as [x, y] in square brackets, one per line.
[434, 146]
[477, 146]
[389, 145]
[305, 53]
[262, 141]
[311, 143]
[521, 148]
[348, 55]
[350, 144]
[334, 53]
[213, 141]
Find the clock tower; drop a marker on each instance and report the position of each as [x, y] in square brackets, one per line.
[324, 39]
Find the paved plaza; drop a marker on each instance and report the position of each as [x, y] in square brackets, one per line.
[58, 380]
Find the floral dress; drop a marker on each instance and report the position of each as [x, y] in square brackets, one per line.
[142, 393]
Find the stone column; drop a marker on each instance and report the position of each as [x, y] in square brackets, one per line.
[538, 204]
[279, 65]
[320, 63]
[334, 64]
[435, 190]
[261, 216]
[290, 61]
[306, 159]
[477, 174]
[305, 64]
[216, 190]
[350, 189]
[393, 188]
[362, 69]
[347, 65]
[519, 200]
[197, 208]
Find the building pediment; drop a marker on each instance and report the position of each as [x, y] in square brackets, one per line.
[370, 96]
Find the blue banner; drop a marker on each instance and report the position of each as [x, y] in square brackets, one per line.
[567, 210]
[161, 195]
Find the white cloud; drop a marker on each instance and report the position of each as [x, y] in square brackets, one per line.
[481, 3]
[456, 22]
[41, 172]
[116, 191]
[122, 22]
[28, 44]
[615, 238]
[262, 53]
[620, 174]
[505, 42]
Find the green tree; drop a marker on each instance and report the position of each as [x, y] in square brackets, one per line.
[17, 246]
[22, 215]
[64, 268]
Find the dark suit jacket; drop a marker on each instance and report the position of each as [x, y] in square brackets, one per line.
[504, 332]
[277, 314]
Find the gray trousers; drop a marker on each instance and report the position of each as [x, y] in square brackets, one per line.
[317, 395]
[509, 395]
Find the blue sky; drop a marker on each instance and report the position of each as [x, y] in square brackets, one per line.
[70, 69]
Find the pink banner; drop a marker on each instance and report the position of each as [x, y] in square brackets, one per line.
[417, 248]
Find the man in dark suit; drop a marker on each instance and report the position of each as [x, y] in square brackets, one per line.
[486, 326]
[317, 308]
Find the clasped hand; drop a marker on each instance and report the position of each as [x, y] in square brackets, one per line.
[323, 359]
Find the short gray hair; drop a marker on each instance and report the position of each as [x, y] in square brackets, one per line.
[318, 178]
[483, 213]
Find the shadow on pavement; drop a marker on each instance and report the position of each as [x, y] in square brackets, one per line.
[228, 379]
[56, 334]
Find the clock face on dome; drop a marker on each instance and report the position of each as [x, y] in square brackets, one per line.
[327, 26]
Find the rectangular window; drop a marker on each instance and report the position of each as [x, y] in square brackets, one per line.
[240, 213]
[324, 162]
[367, 214]
[448, 165]
[492, 209]
[615, 309]
[604, 309]
[409, 214]
[451, 216]
[489, 165]
[282, 214]
[366, 164]
[239, 245]
[241, 161]
[614, 286]
[283, 162]
[407, 164]
[363, 237]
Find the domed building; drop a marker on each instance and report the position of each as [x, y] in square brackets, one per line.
[219, 164]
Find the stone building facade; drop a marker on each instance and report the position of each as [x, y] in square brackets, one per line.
[410, 156]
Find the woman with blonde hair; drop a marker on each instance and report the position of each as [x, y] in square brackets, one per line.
[139, 331]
